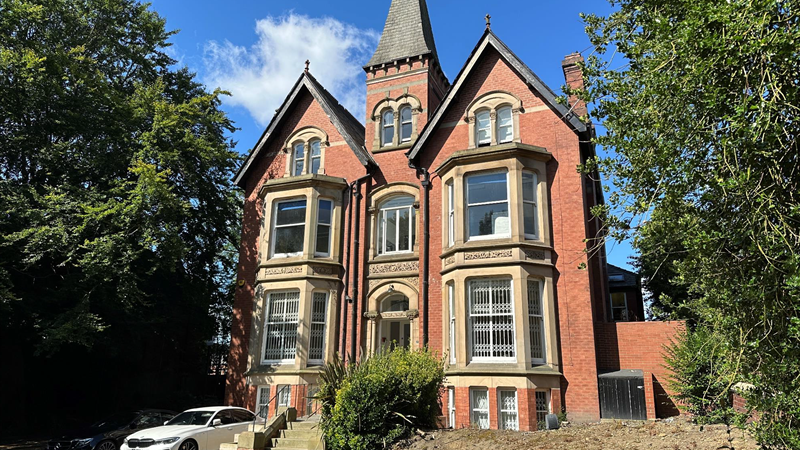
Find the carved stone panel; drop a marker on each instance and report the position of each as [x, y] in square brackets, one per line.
[534, 254]
[388, 268]
[325, 270]
[493, 254]
[282, 271]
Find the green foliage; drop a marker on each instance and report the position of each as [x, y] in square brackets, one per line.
[699, 100]
[119, 223]
[380, 399]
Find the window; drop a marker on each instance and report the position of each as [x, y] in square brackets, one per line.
[487, 206]
[483, 128]
[387, 137]
[299, 158]
[451, 406]
[148, 420]
[280, 331]
[316, 157]
[505, 125]
[224, 416]
[619, 306]
[316, 347]
[479, 399]
[451, 215]
[284, 395]
[542, 408]
[396, 303]
[262, 402]
[509, 419]
[452, 305]
[529, 183]
[491, 320]
[536, 319]
[405, 124]
[324, 213]
[241, 416]
[290, 227]
[396, 226]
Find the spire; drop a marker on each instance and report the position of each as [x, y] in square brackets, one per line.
[407, 33]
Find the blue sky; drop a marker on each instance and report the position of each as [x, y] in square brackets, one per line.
[256, 48]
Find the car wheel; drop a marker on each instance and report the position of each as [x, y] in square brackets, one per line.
[106, 445]
[188, 445]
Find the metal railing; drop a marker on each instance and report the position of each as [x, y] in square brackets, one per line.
[265, 409]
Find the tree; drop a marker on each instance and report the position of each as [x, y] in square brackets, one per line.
[119, 220]
[700, 102]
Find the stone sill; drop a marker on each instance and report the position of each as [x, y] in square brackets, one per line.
[501, 369]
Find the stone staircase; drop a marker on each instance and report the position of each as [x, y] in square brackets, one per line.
[300, 435]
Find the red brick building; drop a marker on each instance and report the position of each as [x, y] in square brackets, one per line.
[454, 219]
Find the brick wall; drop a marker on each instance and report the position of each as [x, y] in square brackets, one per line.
[639, 345]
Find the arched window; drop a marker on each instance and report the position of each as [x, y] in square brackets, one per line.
[316, 157]
[397, 226]
[505, 125]
[299, 158]
[387, 136]
[395, 303]
[483, 128]
[405, 124]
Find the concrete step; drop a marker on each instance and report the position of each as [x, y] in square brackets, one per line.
[229, 446]
[302, 425]
[294, 443]
[301, 434]
[236, 438]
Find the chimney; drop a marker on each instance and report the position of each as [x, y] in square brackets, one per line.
[574, 77]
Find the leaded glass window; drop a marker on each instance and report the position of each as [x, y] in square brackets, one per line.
[509, 419]
[480, 408]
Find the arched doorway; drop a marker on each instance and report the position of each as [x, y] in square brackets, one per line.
[392, 316]
[394, 325]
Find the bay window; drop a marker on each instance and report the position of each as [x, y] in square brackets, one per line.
[324, 215]
[536, 322]
[316, 348]
[288, 234]
[396, 226]
[452, 305]
[487, 206]
[451, 215]
[280, 330]
[529, 183]
[491, 320]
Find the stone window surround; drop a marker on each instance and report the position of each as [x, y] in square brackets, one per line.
[519, 284]
[380, 196]
[515, 168]
[307, 288]
[305, 135]
[395, 105]
[312, 194]
[493, 101]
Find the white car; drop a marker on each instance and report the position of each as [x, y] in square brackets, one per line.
[194, 429]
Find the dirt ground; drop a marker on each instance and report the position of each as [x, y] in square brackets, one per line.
[674, 434]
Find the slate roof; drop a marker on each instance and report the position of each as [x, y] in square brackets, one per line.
[490, 39]
[628, 278]
[407, 33]
[348, 126]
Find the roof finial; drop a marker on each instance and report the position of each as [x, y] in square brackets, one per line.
[488, 22]
[308, 63]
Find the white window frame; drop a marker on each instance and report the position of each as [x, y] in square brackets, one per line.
[311, 156]
[301, 161]
[412, 219]
[261, 402]
[451, 298]
[451, 406]
[284, 322]
[625, 310]
[410, 121]
[512, 315]
[469, 237]
[451, 214]
[318, 322]
[474, 410]
[275, 226]
[502, 424]
[478, 142]
[538, 411]
[326, 254]
[539, 288]
[284, 395]
[385, 126]
[533, 202]
[511, 125]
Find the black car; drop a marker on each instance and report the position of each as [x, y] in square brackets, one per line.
[109, 433]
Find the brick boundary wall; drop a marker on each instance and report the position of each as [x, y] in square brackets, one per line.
[640, 346]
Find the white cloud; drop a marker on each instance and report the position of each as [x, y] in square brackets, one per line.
[259, 78]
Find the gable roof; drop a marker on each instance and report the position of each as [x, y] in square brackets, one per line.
[407, 33]
[490, 39]
[622, 277]
[348, 126]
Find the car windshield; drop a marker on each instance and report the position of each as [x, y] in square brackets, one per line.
[191, 418]
[115, 421]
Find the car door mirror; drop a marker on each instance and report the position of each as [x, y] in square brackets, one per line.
[166, 422]
[216, 422]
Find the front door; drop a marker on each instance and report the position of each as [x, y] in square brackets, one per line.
[395, 333]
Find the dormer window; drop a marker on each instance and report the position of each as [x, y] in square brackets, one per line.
[483, 128]
[299, 158]
[405, 124]
[505, 125]
[388, 129]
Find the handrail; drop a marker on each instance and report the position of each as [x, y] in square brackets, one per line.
[266, 406]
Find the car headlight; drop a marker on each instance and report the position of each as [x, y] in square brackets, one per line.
[82, 442]
[165, 441]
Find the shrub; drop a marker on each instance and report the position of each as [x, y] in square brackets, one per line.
[380, 399]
